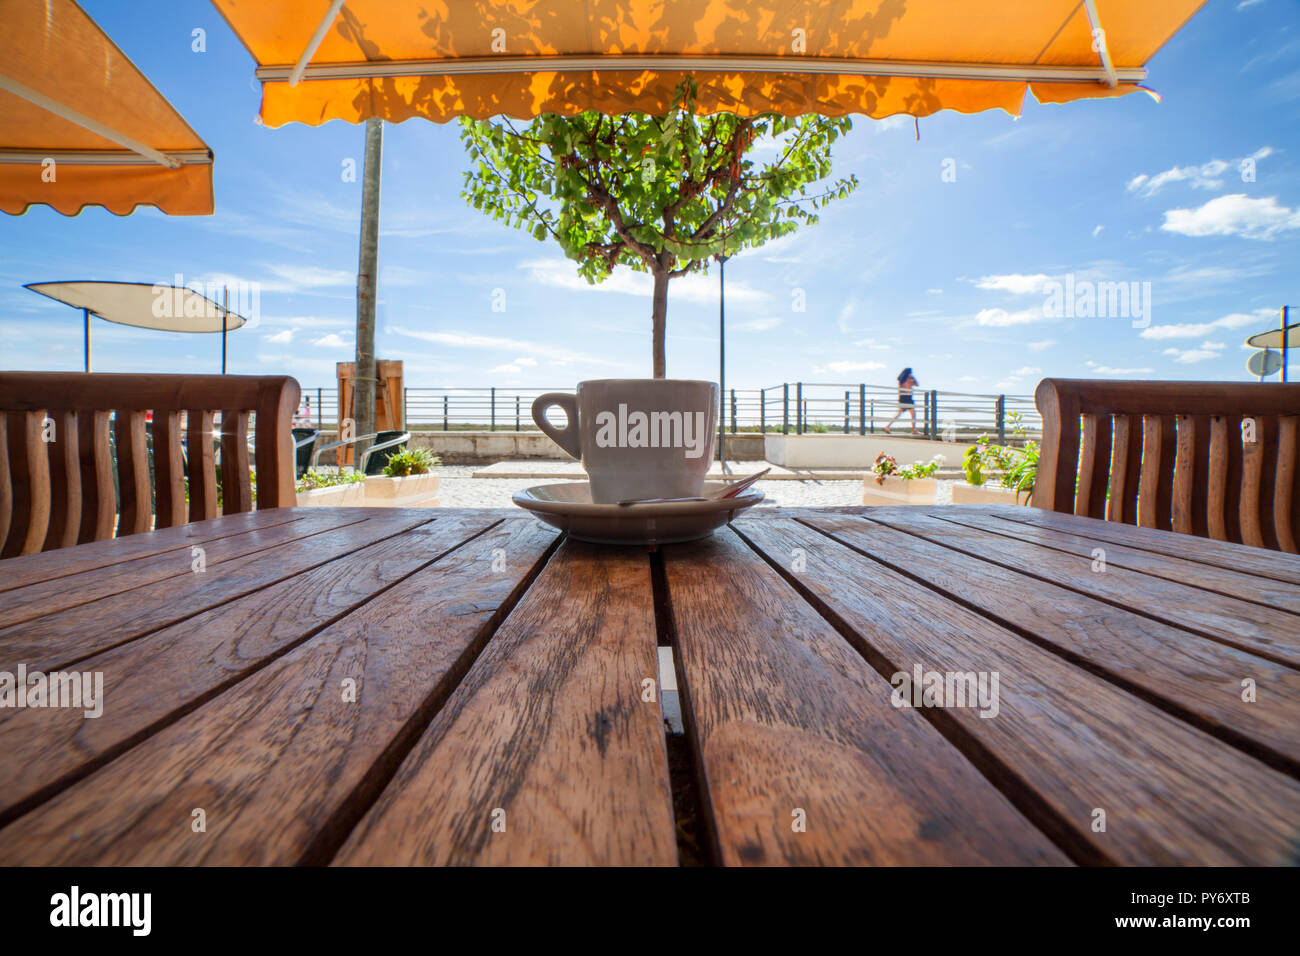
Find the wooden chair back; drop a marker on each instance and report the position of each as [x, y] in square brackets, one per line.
[1215, 459]
[56, 468]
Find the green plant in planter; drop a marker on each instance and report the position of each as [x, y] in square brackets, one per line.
[312, 480]
[887, 465]
[410, 461]
[1018, 464]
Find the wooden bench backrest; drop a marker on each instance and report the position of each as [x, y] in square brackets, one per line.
[59, 492]
[1174, 455]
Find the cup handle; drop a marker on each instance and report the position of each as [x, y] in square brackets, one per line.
[566, 437]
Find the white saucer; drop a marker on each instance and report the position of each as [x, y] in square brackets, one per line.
[569, 507]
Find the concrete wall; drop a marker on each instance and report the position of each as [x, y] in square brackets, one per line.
[856, 451]
[467, 448]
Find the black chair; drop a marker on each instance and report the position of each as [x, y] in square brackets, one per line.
[304, 442]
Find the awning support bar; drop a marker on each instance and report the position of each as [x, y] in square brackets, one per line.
[316, 39]
[85, 122]
[1023, 73]
[1099, 41]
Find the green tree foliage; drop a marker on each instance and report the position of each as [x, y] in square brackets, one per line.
[660, 194]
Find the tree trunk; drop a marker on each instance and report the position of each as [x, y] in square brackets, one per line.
[363, 401]
[659, 326]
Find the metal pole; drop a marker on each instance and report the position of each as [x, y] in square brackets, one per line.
[798, 408]
[733, 411]
[1000, 411]
[1285, 313]
[785, 408]
[722, 358]
[492, 415]
[862, 409]
[225, 321]
[363, 402]
[85, 319]
[319, 411]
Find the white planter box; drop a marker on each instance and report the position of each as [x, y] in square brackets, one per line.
[986, 494]
[830, 450]
[413, 491]
[896, 491]
[335, 496]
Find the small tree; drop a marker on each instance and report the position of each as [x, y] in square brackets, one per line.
[661, 194]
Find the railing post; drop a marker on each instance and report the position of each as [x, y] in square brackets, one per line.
[873, 416]
[444, 413]
[762, 411]
[516, 413]
[934, 414]
[1000, 418]
[403, 418]
[320, 417]
[846, 413]
[798, 408]
[733, 411]
[492, 414]
[785, 408]
[862, 409]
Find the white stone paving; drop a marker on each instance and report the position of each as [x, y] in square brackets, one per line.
[459, 489]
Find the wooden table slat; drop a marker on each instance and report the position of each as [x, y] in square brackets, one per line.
[58, 594]
[151, 680]
[788, 717]
[1171, 794]
[57, 640]
[282, 763]
[1186, 673]
[548, 728]
[1261, 630]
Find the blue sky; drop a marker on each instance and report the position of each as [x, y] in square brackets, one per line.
[946, 274]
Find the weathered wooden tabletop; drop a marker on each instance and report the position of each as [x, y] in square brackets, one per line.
[358, 686]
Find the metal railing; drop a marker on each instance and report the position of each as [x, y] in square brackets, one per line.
[793, 408]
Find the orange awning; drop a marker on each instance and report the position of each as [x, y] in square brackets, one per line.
[81, 126]
[354, 59]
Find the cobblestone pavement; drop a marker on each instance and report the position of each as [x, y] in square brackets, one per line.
[459, 489]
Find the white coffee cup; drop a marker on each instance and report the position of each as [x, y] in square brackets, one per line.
[637, 437]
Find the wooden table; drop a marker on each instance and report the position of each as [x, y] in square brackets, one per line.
[357, 686]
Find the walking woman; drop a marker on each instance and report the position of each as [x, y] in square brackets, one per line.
[906, 382]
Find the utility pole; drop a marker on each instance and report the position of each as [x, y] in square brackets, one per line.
[722, 359]
[363, 394]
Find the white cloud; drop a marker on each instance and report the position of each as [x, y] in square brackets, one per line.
[897, 121]
[871, 344]
[1208, 350]
[467, 340]
[851, 367]
[1192, 330]
[1028, 370]
[331, 341]
[1244, 4]
[295, 277]
[1039, 346]
[1015, 283]
[1000, 318]
[506, 370]
[1097, 232]
[282, 338]
[1107, 370]
[525, 361]
[934, 292]
[562, 274]
[1233, 215]
[1205, 176]
[756, 325]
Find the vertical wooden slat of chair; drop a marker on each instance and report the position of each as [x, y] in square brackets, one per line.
[1216, 505]
[1148, 486]
[132, 472]
[6, 486]
[1200, 473]
[1258, 477]
[1286, 501]
[1232, 491]
[1121, 463]
[236, 493]
[201, 452]
[1165, 474]
[30, 466]
[98, 500]
[1184, 467]
[1094, 466]
[65, 482]
[1058, 463]
[277, 401]
[168, 471]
